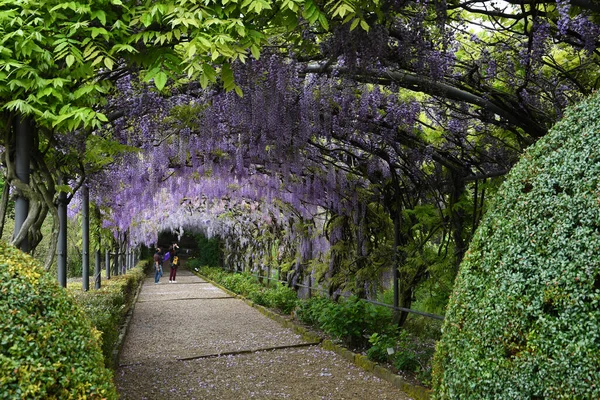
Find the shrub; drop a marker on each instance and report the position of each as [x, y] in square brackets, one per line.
[48, 347]
[282, 298]
[380, 343]
[405, 356]
[107, 306]
[309, 310]
[353, 320]
[524, 317]
[104, 308]
[213, 273]
[243, 284]
[410, 354]
[258, 295]
[406, 361]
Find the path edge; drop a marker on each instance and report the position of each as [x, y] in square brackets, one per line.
[116, 354]
[361, 361]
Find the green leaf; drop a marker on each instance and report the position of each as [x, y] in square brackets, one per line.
[101, 117]
[83, 90]
[18, 105]
[210, 72]
[160, 80]
[70, 60]
[108, 63]
[204, 42]
[364, 25]
[323, 21]
[64, 188]
[203, 81]
[151, 74]
[255, 52]
[123, 47]
[227, 76]
[98, 60]
[100, 15]
[146, 19]
[239, 91]
[191, 51]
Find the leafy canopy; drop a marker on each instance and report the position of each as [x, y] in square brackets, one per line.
[59, 58]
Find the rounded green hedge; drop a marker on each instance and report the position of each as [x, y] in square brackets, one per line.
[523, 321]
[49, 349]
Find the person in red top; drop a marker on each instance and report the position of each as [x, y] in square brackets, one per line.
[174, 260]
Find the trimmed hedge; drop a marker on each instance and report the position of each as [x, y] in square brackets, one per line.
[48, 347]
[524, 318]
[107, 307]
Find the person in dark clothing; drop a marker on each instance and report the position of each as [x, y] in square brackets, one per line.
[174, 260]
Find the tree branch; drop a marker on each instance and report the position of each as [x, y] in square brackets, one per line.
[433, 88]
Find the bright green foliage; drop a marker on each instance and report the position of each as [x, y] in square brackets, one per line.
[524, 318]
[309, 310]
[351, 320]
[58, 57]
[380, 343]
[242, 284]
[50, 52]
[49, 349]
[277, 296]
[282, 298]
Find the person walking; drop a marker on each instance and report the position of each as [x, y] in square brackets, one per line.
[174, 261]
[157, 266]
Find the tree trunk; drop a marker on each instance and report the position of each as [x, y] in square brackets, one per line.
[457, 218]
[22, 234]
[51, 254]
[4, 205]
[407, 296]
[85, 250]
[396, 273]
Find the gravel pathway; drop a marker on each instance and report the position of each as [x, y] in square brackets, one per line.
[191, 340]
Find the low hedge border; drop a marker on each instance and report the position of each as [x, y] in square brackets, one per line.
[416, 392]
[116, 355]
[114, 302]
[49, 347]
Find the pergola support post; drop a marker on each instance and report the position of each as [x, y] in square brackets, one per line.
[85, 251]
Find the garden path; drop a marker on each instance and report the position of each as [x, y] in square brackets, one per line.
[191, 340]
